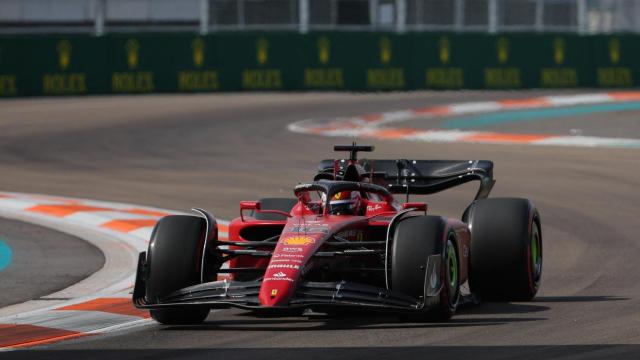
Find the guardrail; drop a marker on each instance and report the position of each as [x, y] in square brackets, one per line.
[352, 61]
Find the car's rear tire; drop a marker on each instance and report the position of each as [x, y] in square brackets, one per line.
[174, 262]
[282, 204]
[506, 249]
[414, 240]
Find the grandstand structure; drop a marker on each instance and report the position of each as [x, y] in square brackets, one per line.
[208, 16]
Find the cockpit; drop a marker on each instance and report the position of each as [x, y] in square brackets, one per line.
[343, 198]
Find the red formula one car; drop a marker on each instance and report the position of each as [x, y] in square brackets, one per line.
[345, 241]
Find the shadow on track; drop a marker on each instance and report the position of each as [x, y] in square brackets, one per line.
[338, 353]
[359, 319]
[569, 299]
[341, 323]
[533, 306]
[346, 320]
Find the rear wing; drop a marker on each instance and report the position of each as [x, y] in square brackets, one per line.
[421, 177]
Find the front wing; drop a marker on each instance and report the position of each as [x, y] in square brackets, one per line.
[242, 294]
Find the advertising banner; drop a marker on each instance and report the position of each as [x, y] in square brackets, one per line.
[350, 61]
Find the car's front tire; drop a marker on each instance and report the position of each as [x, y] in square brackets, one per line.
[414, 240]
[174, 260]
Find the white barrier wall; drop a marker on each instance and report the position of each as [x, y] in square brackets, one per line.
[85, 10]
[582, 16]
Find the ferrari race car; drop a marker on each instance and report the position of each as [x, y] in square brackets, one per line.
[345, 241]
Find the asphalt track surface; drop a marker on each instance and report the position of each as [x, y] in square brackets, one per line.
[212, 151]
[43, 262]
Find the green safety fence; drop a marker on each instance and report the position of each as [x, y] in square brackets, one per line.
[352, 61]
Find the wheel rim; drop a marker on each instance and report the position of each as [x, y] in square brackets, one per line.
[452, 269]
[536, 254]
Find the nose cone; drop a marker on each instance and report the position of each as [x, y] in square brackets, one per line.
[278, 285]
[285, 268]
[289, 257]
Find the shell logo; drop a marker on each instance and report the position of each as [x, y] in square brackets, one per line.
[299, 240]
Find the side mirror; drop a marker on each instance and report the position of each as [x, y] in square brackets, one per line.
[255, 206]
[415, 206]
[248, 205]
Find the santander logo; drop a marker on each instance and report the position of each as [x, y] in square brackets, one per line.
[279, 275]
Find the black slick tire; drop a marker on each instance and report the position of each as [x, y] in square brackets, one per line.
[173, 262]
[414, 240]
[506, 249]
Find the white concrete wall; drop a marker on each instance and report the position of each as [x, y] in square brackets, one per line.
[84, 10]
[46, 10]
[153, 9]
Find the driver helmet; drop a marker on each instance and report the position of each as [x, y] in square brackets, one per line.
[346, 203]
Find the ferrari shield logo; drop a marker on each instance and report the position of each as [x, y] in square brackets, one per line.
[274, 292]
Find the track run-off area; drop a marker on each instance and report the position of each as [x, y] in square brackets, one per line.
[140, 157]
[485, 114]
